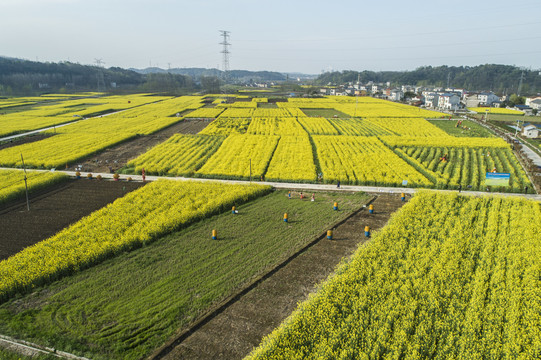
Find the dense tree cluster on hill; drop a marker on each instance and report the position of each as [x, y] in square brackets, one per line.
[497, 78]
[22, 77]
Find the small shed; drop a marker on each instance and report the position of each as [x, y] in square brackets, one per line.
[530, 131]
[524, 108]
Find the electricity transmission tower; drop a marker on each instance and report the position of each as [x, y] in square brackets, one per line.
[225, 51]
[520, 83]
[101, 81]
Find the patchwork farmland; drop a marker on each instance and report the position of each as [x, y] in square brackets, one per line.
[173, 268]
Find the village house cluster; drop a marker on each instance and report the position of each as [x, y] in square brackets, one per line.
[442, 99]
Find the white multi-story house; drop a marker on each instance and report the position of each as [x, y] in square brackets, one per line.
[408, 88]
[534, 102]
[376, 88]
[396, 95]
[448, 101]
[471, 101]
[431, 100]
[426, 93]
[487, 98]
[459, 92]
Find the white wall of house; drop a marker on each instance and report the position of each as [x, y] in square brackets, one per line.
[534, 103]
[530, 131]
[397, 95]
[448, 101]
[487, 98]
[431, 100]
[530, 100]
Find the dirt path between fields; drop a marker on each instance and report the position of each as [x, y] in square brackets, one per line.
[232, 330]
[116, 157]
[53, 210]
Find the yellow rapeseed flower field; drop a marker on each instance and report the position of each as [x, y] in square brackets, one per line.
[180, 155]
[131, 221]
[12, 182]
[292, 161]
[363, 161]
[239, 154]
[71, 143]
[50, 114]
[449, 277]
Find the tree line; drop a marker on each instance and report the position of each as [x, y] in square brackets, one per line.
[22, 77]
[501, 79]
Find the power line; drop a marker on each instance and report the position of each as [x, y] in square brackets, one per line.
[319, 39]
[387, 58]
[428, 46]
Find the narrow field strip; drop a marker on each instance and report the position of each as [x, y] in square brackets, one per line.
[132, 221]
[12, 182]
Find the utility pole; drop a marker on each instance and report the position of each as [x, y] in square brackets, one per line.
[358, 92]
[448, 80]
[225, 51]
[101, 81]
[25, 184]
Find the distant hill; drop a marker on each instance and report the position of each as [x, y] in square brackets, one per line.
[498, 78]
[243, 76]
[302, 76]
[24, 77]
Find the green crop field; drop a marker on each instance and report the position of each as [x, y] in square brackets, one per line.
[140, 298]
[506, 117]
[468, 128]
[326, 113]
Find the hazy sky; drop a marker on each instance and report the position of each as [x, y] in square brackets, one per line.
[288, 36]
